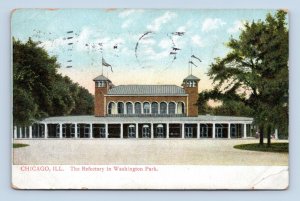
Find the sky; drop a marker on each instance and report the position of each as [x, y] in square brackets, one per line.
[143, 46]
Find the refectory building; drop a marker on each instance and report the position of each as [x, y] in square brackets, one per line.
[141, 111]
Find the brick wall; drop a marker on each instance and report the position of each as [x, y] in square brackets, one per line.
[190, 102]
[146, 98]
[99, 110]
[193, 97]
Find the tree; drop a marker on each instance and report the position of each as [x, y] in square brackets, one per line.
[254, 74]
[39, 91]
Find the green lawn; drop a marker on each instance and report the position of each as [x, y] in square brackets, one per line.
[275, 147]
[19, 145]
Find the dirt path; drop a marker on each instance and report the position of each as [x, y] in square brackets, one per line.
[142, 152]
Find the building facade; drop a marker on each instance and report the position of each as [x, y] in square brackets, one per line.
[141, 111]
[146, 100]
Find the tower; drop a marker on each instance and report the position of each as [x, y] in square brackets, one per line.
[102, 85]
[190, 85]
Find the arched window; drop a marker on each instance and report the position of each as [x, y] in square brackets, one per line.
[138, 108]
[163, 108]
[154, 108]
[146, 108]
[120, 108]
[100, 83]
[180, 108]
[110, 108]
[129, 108]
[172, 108]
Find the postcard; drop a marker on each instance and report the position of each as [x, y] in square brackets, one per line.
[150, 99]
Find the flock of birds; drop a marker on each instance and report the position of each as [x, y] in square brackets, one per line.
[96, 49]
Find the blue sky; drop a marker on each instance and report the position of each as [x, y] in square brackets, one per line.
[114, 34]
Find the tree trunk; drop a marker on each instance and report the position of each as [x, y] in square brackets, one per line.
[261, 134]
[269, 135]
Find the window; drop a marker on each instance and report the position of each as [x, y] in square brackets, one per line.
[131, 131]
[102, 132]
[129, 108]
[188, 132]
[57, 130]
[100, 83]
[86, 131]
[154, 108]
[204, 130]
[233, 130]
[191, 83]
[160, 131]
[137, 108]
[110, 108]
[172, 107]
[146, 131]
[180, 108]
[73, 130]
[120, 108]
[146, 108]
[163, 108]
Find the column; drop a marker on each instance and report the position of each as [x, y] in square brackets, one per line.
[245, 131]
[91, 131]
[214, 131]
[15, 132]
[158, 107]
[152, 129]
[60, 130]
[106, 130]
[167, 132]
[136, 131]
[167, 107]
[182, 131]
[20, 132]
[276, 134]
[25, 132]
[30, 132]
[198, 131]
[121, 131]
[76, 131]
[46, 131]
[229, 133]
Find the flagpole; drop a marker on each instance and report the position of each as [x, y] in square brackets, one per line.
[102, 63]
[191, 60]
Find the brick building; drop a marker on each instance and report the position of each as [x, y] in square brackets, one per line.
[146, 100]
[141, 111]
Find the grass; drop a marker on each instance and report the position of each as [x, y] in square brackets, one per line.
[275, 147]
[19, 145]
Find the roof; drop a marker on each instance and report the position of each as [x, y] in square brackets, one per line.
[145, 119]
[157, 90]
[191, 77]
[101, 78]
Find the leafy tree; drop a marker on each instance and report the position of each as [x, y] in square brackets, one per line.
[39, 91]
[253, 76]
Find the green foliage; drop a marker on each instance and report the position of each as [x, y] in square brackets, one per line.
[275, 147]
[39, 91]
[253, 76]
[19, 145]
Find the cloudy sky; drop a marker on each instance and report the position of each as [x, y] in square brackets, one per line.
[139, 44]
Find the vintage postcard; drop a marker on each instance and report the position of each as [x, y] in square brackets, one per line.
[150, 99]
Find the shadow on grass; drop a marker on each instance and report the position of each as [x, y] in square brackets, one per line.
[19, 145]
[275, 147]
